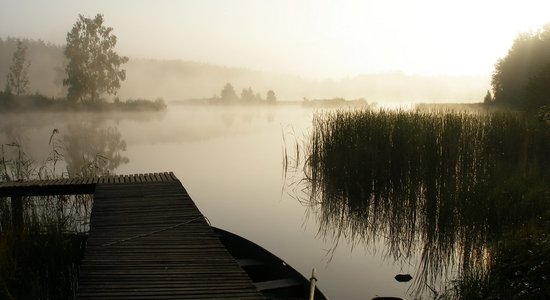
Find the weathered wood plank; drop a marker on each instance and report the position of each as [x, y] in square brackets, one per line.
[148, 240]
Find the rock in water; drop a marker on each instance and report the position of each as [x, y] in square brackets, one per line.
[403, 277]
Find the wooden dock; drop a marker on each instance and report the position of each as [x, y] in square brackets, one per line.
[147, 240]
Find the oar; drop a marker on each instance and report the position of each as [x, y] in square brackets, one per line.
[312, 282]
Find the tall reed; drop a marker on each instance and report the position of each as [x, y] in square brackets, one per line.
[39, 260]
[447, 185]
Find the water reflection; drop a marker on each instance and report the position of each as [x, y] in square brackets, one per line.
[447, 187]
[92, 149]
[92, 143]
[72, 145]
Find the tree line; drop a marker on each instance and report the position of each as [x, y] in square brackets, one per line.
[521, 80]
[228, 95]
[93, 67]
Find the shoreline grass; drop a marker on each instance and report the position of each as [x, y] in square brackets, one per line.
[40, 257]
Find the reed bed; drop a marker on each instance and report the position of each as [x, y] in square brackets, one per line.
[39, 259]
[447, 185]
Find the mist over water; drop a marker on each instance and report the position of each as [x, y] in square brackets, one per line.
[230, 161]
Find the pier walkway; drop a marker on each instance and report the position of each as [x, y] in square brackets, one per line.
[147, 240]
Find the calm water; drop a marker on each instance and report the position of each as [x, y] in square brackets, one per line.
[230, 160]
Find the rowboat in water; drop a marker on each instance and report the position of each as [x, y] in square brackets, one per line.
[270, 274]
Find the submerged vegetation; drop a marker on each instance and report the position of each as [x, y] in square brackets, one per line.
[461, 189]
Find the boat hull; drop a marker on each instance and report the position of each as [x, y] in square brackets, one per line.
[271, 275]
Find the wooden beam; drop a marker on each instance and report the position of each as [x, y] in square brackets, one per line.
[17, 211]
[275, 284]
[44, 190]
[75, 186]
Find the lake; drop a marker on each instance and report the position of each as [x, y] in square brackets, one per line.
[230, 160]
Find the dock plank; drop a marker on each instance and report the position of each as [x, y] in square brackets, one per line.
[148, 240]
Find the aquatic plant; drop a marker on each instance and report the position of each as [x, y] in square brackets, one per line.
[39, 258]
[446, 185]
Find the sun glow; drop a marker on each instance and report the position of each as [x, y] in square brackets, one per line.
[311, 38]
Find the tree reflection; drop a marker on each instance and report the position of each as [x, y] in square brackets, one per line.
[447, 186]
[91, 149]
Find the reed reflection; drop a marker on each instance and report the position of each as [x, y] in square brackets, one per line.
[449, 186]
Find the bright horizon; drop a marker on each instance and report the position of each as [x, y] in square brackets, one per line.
[313, 39]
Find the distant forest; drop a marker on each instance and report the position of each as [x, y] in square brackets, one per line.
[180, 80]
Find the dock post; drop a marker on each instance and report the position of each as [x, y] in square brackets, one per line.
[16, 211]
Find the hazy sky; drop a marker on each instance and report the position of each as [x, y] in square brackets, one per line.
[315, 39]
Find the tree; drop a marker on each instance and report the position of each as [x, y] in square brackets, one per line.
[538, 89]
[270, 97]
[228, 93]
[94, 67]
[488, 98]
[520, 78]
[247, 95]
[18, 80]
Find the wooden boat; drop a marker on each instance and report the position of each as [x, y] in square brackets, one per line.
[270, 274]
